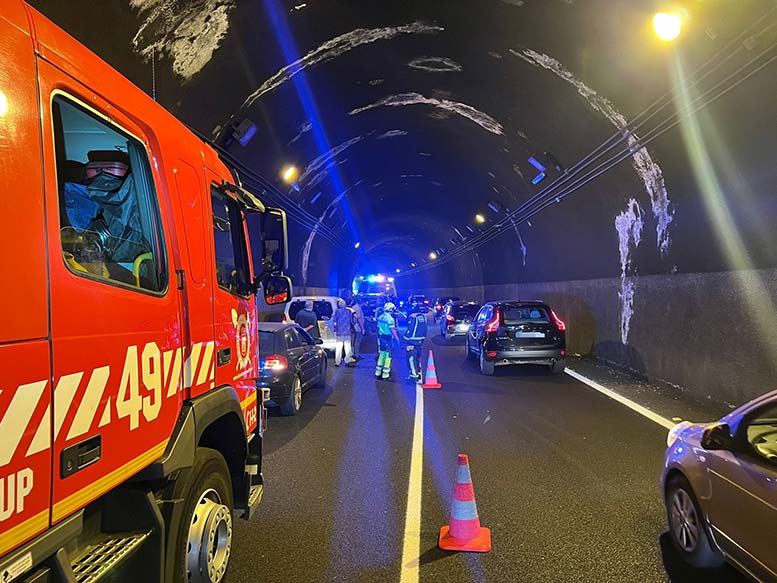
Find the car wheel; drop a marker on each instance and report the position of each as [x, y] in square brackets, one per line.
[557, 368]
[486, 367]
[687, 526]
[294, 402]
[468, 350]
[321, 383]
[204, 542]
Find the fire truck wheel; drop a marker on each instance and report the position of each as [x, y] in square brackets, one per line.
[204, 542]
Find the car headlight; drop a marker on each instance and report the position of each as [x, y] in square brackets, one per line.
[675, 432]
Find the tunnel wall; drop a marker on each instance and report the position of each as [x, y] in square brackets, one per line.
[694, 331]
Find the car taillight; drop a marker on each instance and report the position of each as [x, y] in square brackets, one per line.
[493, 324]
[491, 354]
[275, 362]
[559, 324]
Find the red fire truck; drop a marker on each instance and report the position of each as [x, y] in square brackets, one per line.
[130, 428]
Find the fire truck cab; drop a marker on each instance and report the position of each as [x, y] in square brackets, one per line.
[130, 427]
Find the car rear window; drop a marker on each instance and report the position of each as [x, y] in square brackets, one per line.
[518, 314]
[466, 310]
[266, 342]
[322, 308]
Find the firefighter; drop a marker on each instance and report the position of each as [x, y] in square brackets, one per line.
[387, 336]
[415, 334]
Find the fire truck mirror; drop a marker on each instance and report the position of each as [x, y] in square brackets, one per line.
[275, 238]
[277, 289]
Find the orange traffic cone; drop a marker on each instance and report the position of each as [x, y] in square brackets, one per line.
[431, 374]
[464, 532]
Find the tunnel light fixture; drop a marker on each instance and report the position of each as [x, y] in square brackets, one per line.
[667, 25]
[413, 265]
[480, 219]
[391, 280]
[433, 255]
[357, 245]
[494, 206]
[289, 174]
[398, 270]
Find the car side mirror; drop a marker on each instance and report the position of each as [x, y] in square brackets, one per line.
[319, 340]
[277, 289]
[717, 437]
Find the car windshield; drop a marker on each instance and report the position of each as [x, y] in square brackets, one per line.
[522, 314]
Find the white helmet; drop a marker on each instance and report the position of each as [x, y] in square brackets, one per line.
[389, 307]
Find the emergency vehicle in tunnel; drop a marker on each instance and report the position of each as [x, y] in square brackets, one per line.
[130, 426]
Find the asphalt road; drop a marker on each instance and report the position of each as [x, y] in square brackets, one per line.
[566, 478]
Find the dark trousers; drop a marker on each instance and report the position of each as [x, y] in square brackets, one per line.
[413, 354]
[357, 343]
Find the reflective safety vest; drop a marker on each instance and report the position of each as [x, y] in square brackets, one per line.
[385, 324]
[416, 327]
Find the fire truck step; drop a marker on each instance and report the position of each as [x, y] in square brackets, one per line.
[100, 558]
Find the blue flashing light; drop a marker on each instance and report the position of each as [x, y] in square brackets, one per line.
[285, 39]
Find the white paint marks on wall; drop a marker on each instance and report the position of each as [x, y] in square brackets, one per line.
[391, 134]
[334, 48]
[186, 32]
[303, 129]
[629, 225]
[444, 105]
[648, 170]
[524, 250]
[324, 160]
[436, 65]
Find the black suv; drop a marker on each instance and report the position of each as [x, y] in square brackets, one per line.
[519, 332]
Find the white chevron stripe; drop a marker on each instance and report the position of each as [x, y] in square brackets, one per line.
[173, 377]
[17, 417]
[42, 439]
[88, 408]
[207, 363]
[63, 398]
[190, 367]
[106, 416]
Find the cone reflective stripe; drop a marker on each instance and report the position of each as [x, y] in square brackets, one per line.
[464, 532]
[431, 374]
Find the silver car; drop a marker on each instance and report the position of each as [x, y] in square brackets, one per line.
[720, 488]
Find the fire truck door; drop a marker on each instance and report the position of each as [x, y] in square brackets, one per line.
[116, 334]
[25, 373]
[234, 303]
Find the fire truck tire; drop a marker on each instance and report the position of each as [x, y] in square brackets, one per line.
[204, 541]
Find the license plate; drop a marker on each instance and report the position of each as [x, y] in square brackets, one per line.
[462, 327]
[530, 334]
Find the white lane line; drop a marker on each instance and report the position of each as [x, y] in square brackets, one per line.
[411, 547]
[644, 411]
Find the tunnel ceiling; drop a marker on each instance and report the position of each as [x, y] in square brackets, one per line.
[408, 117]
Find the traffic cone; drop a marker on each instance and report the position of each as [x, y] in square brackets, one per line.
[464, 532]
[430, 379]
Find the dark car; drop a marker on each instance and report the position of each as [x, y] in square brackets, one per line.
[457, 317]
[415, 303]
[519, 332]
[290, 362]
[440, 302]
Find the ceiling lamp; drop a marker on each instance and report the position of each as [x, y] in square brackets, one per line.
[289, 174]
[667, 25]
[480, 219]
[433, 255]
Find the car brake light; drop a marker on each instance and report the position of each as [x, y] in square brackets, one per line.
[559, 324]
[275, 362]
[493, 324]
[491, 354]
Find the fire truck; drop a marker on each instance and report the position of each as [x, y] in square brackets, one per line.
[133, 262]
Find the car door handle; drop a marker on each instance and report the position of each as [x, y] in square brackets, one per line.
[78, 456]
[224, 356]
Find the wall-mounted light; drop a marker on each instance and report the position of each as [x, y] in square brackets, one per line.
[494, 206]
[357, 245]
[667, 25]
[433, 255]
[480, 219]
[398, 270]
[413, 265]
[289, 174]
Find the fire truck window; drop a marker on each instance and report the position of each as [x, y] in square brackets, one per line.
[110, 227]
[229, 237]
